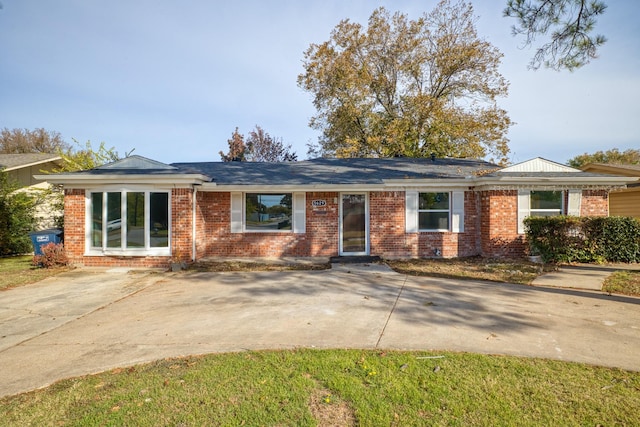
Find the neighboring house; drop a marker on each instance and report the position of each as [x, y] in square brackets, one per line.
[22, 169]
[622, 202]
[139, 212]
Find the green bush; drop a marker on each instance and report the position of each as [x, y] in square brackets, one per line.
[17, 218]
[584, 239]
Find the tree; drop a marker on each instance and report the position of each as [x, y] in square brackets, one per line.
[613, 156]
[22, 141]
[17, 217]
[262, 147]
[237, 148]
[259, 147]
[411, 88]
[570, 24]
[73, 160]
[85, 158]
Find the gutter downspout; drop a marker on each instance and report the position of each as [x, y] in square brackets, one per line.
[193, 224]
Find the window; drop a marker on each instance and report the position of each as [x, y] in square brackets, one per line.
[433, 211]
[129, 221]
[545, 203]
[268, 211]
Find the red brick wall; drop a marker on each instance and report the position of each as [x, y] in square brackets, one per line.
[74, 211]
[215, 237]
[181, 223]
[594, 203]
[499, 224]
[389, 240]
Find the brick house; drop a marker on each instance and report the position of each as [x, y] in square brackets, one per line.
[140, 213]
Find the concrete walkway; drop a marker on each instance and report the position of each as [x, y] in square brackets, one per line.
[85, 322]
[581, 276]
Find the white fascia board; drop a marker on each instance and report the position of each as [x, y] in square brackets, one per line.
[83, 180]
[559, 180]
[427, 183]
[209, 186]
[388, 185]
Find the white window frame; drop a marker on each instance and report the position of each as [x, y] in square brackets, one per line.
[456, 211]
[103, 250]
[448, 211]
[238, 219]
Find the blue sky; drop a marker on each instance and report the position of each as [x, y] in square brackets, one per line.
[172, 80]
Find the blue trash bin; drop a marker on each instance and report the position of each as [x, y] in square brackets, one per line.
[44, 237]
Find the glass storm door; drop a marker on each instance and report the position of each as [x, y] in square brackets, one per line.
[354, 236]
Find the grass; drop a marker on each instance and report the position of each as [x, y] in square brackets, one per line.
[497, 270]
[337, 387]
[623, 282]
[18, 271]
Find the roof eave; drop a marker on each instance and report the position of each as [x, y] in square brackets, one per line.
[28, 165]
[75, 180]
[557, 180]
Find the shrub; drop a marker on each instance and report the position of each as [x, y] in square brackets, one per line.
[584, 239]
[17, 218]
[53, 255]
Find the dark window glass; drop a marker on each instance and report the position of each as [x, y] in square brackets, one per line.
[433, 211]
[434, 201]
[96, 219]
[114, 220]
[433, 220]
[159, 220]
[135, 220]
[546, 200]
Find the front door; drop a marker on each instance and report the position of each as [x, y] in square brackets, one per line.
[354, 226]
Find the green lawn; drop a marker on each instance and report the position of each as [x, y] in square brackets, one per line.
[337, 387]
[18, 270]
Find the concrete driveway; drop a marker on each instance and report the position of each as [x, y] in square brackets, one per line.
[89, 321]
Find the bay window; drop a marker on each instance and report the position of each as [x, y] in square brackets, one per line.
[129, 222]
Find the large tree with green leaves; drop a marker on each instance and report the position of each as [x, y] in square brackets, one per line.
[613, 156]
[567, 25]
[408, 87]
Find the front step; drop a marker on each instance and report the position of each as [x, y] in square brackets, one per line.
[356, 259]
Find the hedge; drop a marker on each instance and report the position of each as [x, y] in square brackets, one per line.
[584, 239]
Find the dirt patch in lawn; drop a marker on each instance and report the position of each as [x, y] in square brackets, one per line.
[497, 270]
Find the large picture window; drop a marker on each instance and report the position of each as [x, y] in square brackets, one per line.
[268, 211]
[130, 221]
[433, 211]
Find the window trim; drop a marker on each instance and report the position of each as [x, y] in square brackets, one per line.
[104, 250]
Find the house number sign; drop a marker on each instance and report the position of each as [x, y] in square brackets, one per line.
[318, 203]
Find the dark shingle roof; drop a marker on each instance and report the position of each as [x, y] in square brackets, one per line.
[335, 171]
[13, 161]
